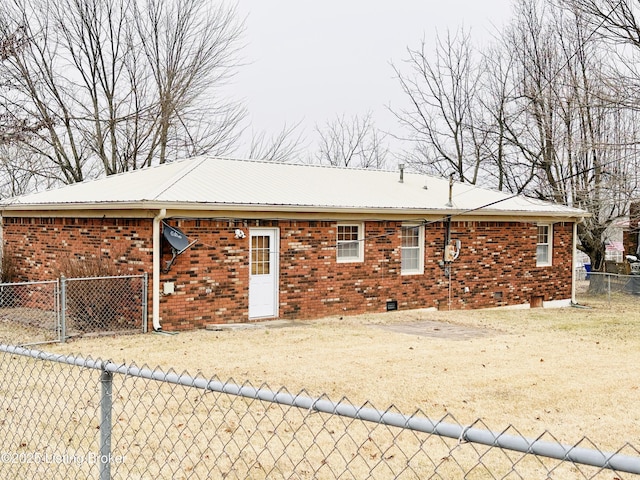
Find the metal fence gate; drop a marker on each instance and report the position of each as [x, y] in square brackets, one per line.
[52, 311]
[103, 305]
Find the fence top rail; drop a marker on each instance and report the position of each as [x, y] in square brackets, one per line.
[104, 278]
[16, 284]
[579, 455]
[609, 274]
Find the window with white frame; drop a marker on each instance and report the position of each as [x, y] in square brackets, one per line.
[412, 250]
[350, 244]
[543, 247]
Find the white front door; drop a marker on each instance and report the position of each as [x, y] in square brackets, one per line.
[263, 272]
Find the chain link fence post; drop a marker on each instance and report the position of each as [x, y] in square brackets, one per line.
[56, 307]
[145, 304]
[63, 309]
[106, 399]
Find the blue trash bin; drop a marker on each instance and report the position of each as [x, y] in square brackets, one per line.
[587, 267]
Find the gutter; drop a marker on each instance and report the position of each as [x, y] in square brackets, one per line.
[574, 260]
[252, 208]
[157, 253]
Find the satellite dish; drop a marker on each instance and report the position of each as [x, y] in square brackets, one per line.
[177, 240]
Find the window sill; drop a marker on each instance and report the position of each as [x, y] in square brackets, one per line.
[412, 273]
[349, 260]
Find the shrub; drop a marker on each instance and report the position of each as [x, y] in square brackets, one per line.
[8, 271]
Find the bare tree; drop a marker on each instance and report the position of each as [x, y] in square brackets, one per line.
[538, 63]
[441, 93]
[615, 20]
[463, 117]
[284, 146]
[352, 142]
[576, 128]
[12, 127]
[118, 85]
[191, 46]
[21, 171]
[504, 165]
[542, 113]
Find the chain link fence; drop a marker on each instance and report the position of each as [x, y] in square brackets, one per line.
[43, 312]
[30, 311]
[73, 417]
[608, 287]
[103, 305]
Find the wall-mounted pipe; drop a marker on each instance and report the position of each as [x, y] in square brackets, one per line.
[450, 202]
[574, 260]
[157, 258]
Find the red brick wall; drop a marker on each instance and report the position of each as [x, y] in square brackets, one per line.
[496, 266]
[496, 258]
[211, 278]
[40, 246]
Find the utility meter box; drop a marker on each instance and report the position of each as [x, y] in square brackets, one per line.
[452, 251]
[449, 253]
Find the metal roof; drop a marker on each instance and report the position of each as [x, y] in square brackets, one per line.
[202, 183]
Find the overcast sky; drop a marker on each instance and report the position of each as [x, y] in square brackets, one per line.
[310, 60]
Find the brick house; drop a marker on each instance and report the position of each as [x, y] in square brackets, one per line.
[298, 241]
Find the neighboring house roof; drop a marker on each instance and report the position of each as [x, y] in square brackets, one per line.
[210, 183]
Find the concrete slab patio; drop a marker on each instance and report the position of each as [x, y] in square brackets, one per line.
[423, 328]
[428, 328]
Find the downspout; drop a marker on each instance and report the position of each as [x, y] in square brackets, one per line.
[157, 258]
[574, 261]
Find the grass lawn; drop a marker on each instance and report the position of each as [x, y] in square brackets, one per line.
[573, 372]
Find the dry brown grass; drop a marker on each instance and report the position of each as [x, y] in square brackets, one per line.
[17, 328]
[568, 371]
[572, 371]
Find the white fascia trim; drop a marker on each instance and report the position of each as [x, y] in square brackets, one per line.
[459, 214]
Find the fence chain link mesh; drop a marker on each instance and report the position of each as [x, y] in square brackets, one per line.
[52, 311]
[606, 287]
[168, 425]
[29, 312]
[104, 304]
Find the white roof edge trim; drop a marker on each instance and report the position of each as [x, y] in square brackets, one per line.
[480, 212]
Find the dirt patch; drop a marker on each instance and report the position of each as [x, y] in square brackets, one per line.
[30, 317]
